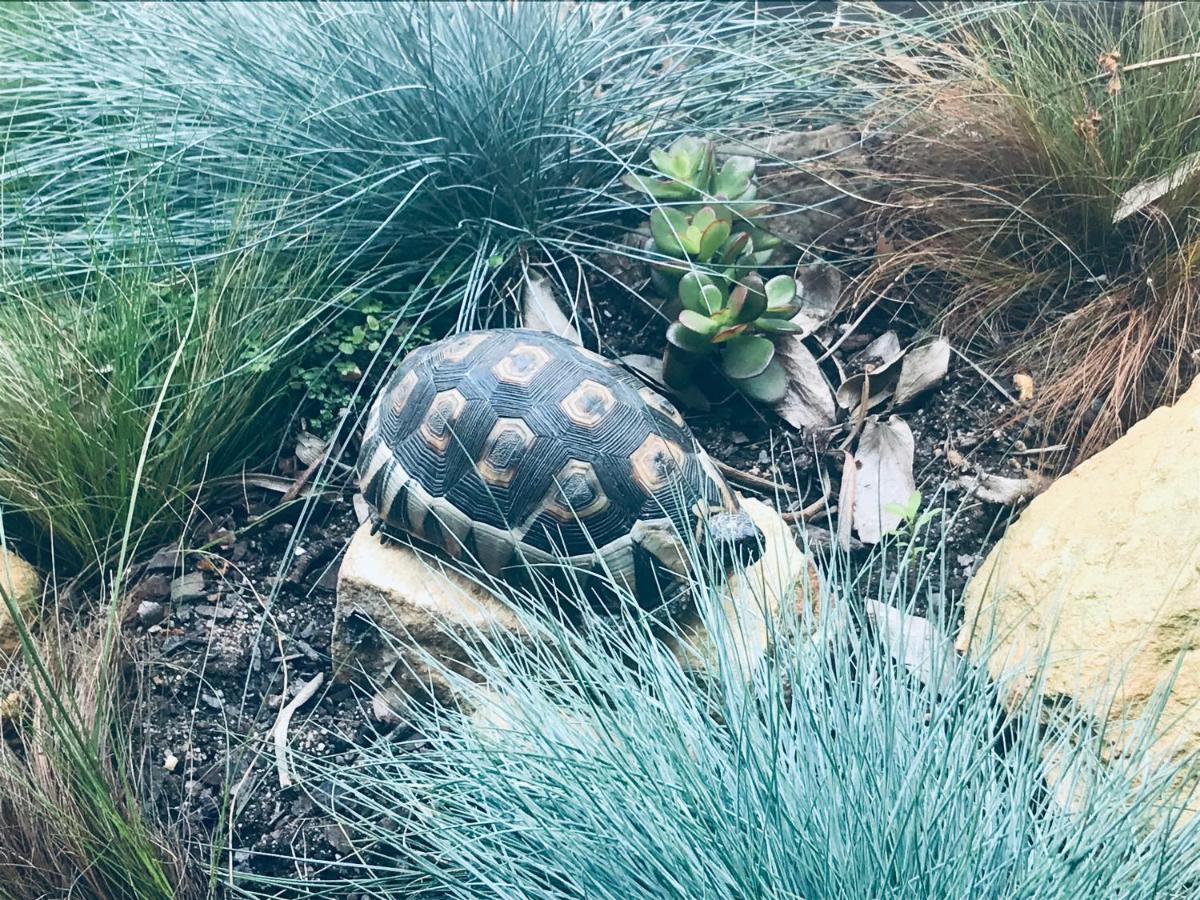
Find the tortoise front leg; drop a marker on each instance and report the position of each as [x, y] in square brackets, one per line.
[380, 527]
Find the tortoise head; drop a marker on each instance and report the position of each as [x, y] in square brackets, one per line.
[736, 542]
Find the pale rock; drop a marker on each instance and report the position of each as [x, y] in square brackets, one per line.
[755, 602]
[1102, 572]
[21, 582]
[401, 615]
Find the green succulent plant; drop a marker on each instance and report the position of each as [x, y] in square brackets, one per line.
[713, 248]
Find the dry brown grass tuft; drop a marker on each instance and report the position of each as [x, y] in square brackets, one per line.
[70, 820]
[1025, 167]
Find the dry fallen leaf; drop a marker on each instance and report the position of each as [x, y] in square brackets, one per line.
[309, 448]
[917, 644]
[362, 509]
[1006, 491]
[879, 358]
[923, 368]
[846, 500]
[955, 458]
[879, 355]
[1111, 63]
[808, 402]
[1023, 382]
[1146, 192]
[884, 482]
[818, 291]
[541, 310]
[215, 564]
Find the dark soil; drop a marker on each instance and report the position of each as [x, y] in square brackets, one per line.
[234, 646]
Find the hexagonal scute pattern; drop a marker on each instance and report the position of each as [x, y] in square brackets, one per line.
[535, 441]
[588, 404]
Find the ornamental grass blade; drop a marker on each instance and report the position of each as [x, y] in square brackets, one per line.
[541, 311]
[808, 402]
[923, 368]
[884, 482]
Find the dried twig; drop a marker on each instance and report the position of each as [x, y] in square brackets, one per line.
[281, 727]
[1033, 451]
[860, 414]
[812, 511]
[745, 478]
[986, 377]
[298, 485]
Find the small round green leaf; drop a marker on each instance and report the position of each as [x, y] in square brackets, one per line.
[769, 386]
[733, 179]
[781, 290]
[712, 298]
[734, 247]
[704, 217]
[700, 324]
[712, 239]
[746, 355]
[661, 190]
[686, 339]
[668, 227]
[690, 287]
[777, 326]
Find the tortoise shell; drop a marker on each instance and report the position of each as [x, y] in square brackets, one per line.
[512, 447]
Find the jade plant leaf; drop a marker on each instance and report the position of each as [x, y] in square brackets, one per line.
[684, 338]
[668, 227]
[735, 246]
[733, 179]
[675, 164]
[698, 323]
[778, 326]
[746, 355]
[769, 386]
[690, 288]
[704, 217]
[712, 239]
[781, 290]
[712, 299]
[660, 190]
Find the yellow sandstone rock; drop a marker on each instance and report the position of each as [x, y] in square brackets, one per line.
[1103, 570]
[23, 585]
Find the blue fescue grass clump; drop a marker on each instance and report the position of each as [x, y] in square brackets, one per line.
[839, 768]
[433, 143]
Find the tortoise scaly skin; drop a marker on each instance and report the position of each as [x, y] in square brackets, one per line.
[512, 448]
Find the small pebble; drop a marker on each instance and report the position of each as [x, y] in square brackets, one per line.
[165, 559]
[188, 587]
[170, 762]
[151, 612]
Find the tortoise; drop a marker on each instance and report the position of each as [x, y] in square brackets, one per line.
[511, 449]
